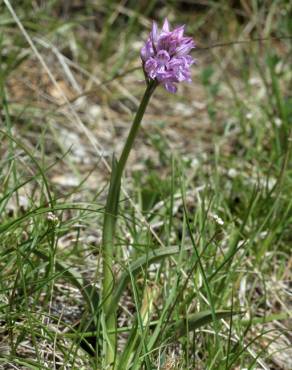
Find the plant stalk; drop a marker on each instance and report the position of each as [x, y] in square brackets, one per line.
[109, 227]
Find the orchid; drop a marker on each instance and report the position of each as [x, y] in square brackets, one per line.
[166, 61]
[165, 56]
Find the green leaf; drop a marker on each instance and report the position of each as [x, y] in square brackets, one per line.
[88, 292]
[142, 262]
[196, 320]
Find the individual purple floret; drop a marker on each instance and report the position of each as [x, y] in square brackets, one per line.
[165, 56]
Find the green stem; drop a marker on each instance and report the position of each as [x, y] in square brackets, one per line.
[109, 225]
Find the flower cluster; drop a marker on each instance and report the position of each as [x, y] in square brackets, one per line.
[165, 56]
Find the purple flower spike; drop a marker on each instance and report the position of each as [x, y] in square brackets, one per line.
[165, 56]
